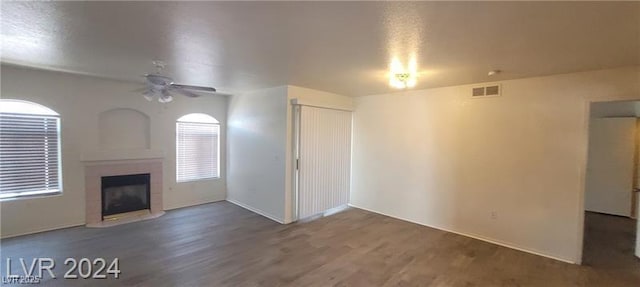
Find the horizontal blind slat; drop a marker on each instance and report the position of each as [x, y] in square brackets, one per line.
[29, 153]
[197, 151]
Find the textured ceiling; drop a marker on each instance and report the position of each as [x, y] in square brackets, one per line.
[340, 47]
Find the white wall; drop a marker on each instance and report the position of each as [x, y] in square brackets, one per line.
[439, 158]
[257, 151]
[610, 165]
[79, 100]
[124, 128]
[260, 147]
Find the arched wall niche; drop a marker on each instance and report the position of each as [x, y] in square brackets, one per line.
[123, 128]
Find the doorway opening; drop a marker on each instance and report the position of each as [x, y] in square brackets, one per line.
[611, 199]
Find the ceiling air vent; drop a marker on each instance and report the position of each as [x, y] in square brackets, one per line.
[490, 90]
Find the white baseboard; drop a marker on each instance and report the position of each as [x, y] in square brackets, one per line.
[325, 213]
[181, 206]
[335, 210]
[256, 210]
[474, 236]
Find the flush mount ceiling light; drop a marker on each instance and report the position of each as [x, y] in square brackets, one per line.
[401, 78]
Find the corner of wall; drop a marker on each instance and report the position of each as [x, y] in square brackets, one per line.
[257, 210]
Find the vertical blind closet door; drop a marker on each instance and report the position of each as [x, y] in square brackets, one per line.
[324, 160]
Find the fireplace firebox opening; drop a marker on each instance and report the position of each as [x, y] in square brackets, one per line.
[125, 193]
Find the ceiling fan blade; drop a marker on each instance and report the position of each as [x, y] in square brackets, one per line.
[195, 88]
[184, 92]
[223, 94]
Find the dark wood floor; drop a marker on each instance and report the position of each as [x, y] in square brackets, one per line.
[221, 244]
[609, 247]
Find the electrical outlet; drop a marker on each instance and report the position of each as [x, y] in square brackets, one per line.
[494, 215]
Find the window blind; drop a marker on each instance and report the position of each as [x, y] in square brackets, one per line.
[29, 155]
[197, 148]
[324, 139]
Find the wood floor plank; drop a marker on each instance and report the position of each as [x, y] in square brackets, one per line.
[221, 244]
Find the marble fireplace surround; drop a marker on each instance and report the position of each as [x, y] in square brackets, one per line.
[97, 165]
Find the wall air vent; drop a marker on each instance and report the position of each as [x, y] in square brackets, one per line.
[478, 92]
[488, 90]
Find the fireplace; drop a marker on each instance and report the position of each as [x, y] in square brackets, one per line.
[125, 193]
[122, 184]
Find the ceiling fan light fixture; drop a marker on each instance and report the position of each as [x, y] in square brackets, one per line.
[165, 99]
[403, 80]
[149, 96]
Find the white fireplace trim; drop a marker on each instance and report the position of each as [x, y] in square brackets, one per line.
[95, 170]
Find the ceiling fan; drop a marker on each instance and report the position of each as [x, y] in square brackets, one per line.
[163, 88]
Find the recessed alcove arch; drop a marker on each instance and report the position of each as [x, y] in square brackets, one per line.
[123, 128]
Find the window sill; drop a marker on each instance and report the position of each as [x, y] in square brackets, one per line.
[33, 195]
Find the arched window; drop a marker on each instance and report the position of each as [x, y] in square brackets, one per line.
[29, 150]
[197, 147]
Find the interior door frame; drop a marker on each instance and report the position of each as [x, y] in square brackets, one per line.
[583, 169]
[595, 171]
[296, 161]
